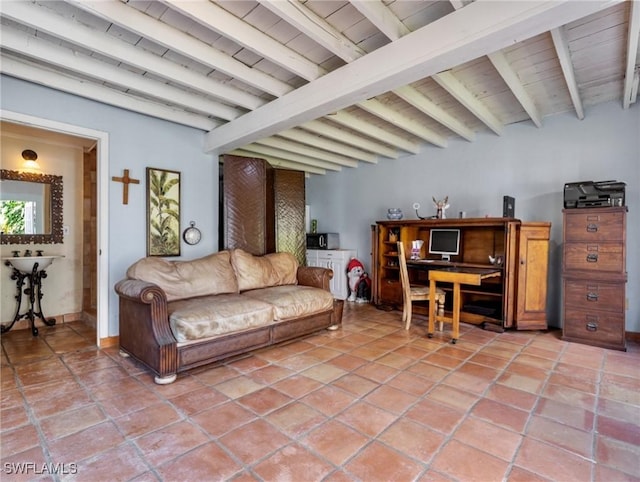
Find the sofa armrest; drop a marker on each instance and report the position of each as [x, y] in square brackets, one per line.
[141, 291]
[144, 326]
[315, 276]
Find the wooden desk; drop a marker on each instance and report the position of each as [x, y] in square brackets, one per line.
[519, 294]
[455, 276]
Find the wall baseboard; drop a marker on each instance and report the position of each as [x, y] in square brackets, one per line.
[109, 341]
[633, 336]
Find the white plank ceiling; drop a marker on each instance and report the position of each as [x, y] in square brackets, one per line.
[324, 85]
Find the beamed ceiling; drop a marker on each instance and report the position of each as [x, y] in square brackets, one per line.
[324, 85]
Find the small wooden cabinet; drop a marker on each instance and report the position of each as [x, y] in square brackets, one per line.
[515, 299]
[594, 276]
[532, 272]
[337, 260]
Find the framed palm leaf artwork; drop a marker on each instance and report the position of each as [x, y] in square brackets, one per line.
[163, 212]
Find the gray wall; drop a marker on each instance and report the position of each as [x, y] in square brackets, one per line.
[532, 164]
[526, 162]
[135, 143]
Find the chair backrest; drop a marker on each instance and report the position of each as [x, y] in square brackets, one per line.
[404, 273]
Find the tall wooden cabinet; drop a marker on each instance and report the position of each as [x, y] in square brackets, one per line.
[249, 206]
[263, 208]
[515, 299]
[289, 201]
[594, 276]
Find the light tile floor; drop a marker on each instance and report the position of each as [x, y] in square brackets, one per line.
[370, 402]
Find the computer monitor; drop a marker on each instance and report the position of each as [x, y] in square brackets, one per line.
[445, 242]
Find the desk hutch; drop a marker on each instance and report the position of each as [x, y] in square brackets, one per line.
[516, 298]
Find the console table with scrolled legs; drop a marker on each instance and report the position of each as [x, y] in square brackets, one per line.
[34, 292]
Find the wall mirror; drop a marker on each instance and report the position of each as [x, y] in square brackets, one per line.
[30, 208]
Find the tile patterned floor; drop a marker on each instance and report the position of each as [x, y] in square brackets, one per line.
[368, 402]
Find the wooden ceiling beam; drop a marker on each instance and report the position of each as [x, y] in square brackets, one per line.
[307, 151]
[564, 56]
[131, 19]
[478, 29]
[290, 156]
[631, 68]
[437, 113]
[509, 76]
[385, 20]
[314, 27]
[458, 91]
[305, 137]
[375, 107]
[282, 163]
[332, 132]
[322, 32]
[43, 51]
[217, 18]
[382, 17]
[355, 123]
[64, 83]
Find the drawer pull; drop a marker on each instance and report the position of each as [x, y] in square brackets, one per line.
[592, 228]
[592, 326]
[592, 258]
[592, 296]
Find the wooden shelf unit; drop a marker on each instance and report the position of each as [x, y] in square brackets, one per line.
[515, 299]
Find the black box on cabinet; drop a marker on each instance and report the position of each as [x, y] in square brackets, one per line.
[508, 207]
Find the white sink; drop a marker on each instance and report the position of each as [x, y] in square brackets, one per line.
[25, 264]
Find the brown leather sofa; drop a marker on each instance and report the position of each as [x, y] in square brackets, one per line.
[178, 315]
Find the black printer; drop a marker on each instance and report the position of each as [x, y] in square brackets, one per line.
[592, 194]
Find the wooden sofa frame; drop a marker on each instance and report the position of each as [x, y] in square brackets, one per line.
[145, 333]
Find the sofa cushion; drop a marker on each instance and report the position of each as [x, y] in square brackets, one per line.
[210, 275]
[293, 301]
[274, 269]
[207, 316]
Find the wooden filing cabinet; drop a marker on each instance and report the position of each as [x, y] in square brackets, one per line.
[594, 276]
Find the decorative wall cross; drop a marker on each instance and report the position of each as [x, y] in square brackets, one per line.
[125, 180]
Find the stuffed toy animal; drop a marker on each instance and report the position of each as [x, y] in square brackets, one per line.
[355, 269]
[363, 291]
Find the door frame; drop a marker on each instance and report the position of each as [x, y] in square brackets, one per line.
[102, 152]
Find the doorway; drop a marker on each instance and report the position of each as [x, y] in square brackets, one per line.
[95, 295]
[90, 237]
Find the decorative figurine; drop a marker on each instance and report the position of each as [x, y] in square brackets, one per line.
[441, 207]
[355, 270]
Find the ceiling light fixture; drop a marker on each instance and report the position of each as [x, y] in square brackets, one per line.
[30, 163]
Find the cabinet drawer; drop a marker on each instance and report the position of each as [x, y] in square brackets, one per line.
[593, 326]
[594, 256]
[594, 295]
[594, 226]
[390, 291]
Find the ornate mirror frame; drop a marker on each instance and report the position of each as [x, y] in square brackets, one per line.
[55, 237]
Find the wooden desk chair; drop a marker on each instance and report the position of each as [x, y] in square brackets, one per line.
[413, 293]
